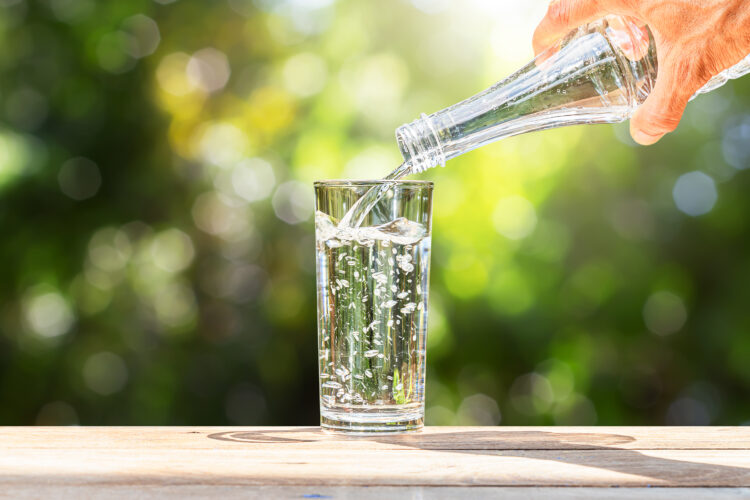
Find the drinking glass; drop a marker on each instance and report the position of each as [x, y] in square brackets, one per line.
[372, 283]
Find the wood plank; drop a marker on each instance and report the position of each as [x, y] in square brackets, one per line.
[432, 438]
[378, 493]
[379, 468]
[169, 458]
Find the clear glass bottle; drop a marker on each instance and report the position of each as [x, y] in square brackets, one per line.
[599, 73]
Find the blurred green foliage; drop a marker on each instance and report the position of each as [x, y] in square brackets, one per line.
[156, 168]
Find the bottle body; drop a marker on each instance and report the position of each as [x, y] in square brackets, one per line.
[599, 73]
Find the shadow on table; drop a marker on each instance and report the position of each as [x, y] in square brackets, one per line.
[527, 443]
[489, 439]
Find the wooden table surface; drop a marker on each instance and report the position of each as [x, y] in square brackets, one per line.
[439, 462]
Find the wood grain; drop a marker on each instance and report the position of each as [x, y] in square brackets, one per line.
[379, 493]
[433, 438]
[186, 460]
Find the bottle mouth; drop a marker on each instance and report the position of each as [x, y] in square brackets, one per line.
[419, 144]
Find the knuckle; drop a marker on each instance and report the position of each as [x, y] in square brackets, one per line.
[661, 121]
[682, 78]
[691, 73]
[627, 5]
[703, 69]
[667, 122]
[559, 12]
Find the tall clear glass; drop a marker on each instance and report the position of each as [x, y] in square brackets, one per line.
[372, 306]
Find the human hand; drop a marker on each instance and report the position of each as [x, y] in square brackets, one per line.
[695, 40]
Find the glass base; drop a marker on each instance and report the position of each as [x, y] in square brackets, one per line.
[372, 421]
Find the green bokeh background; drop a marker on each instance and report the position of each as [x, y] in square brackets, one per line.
[156, 169]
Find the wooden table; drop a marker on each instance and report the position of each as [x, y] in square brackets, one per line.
[440, 462]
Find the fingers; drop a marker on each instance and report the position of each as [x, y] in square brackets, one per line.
[562, 17]
[663, 109]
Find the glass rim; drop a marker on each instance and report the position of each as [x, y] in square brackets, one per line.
[372, 183]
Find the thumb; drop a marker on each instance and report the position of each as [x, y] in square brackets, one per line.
[562, 17]
[663, 109]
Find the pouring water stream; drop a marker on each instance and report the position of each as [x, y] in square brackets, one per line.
[355, 216]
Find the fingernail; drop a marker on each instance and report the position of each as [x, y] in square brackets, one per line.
[644, 138]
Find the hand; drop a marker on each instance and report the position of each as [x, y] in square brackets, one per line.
[695, 40]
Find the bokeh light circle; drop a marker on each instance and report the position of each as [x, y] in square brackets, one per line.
[695, 193]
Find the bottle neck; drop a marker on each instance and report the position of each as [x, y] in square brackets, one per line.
[421, 144]
[598, 74]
